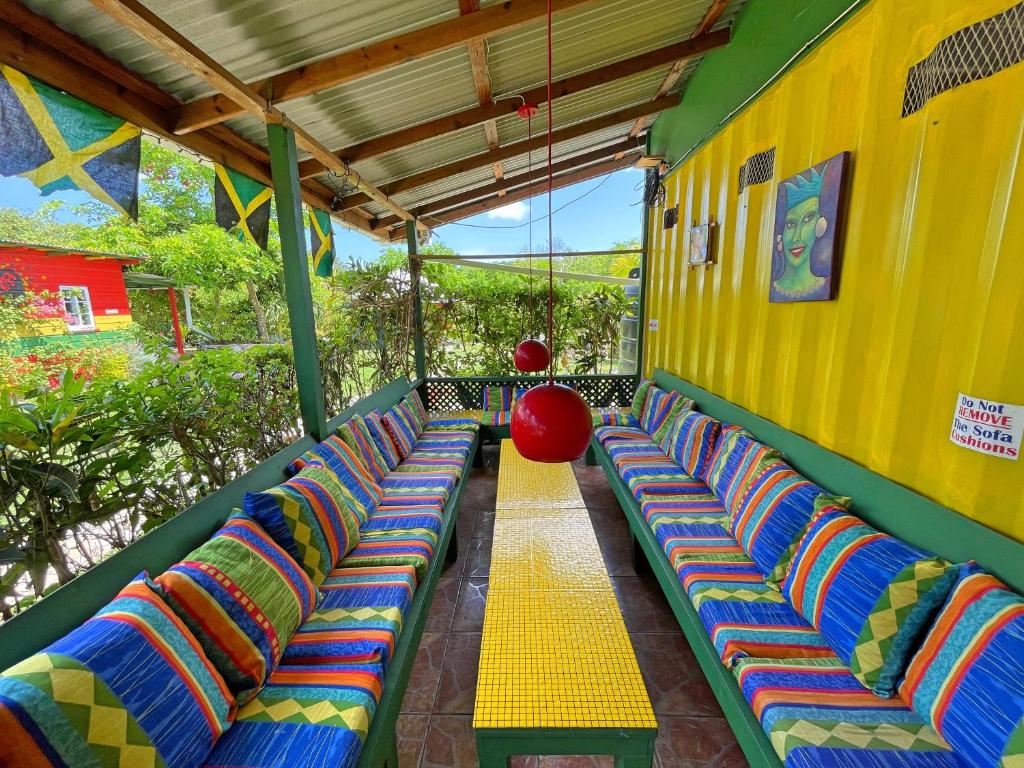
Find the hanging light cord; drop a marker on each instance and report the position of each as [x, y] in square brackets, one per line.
[529, 174]
[551, 228]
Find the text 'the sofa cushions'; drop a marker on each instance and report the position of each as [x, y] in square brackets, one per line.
[309, 517]
[131, 686]
[868, 593]
[967, 679]
[243, 597]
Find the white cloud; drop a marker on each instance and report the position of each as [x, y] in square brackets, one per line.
[512, 212]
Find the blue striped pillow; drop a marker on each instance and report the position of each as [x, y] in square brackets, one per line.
[690, 440]
[401, 425]
[733, 464]
[382, 438]
[656, 409]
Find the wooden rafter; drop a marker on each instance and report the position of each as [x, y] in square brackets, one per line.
[136, 17]
[514, 150]
[711, 17]
[522, 193]
[377, 57]
[510, 183]
[38, 47]
[477, 50]
[476, 115]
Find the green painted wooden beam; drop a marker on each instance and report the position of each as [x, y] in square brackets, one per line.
[415, 269]
[288, 198]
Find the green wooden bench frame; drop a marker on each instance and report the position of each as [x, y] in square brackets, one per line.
[883, 503]
[69, 606]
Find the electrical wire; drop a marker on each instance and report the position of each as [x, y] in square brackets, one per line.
[551, 218]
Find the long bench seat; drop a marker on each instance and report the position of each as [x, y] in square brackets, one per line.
[702, 512]
[268, 655]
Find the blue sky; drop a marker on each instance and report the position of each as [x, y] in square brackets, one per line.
[606, 215]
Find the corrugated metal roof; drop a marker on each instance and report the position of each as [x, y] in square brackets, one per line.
[258, 38]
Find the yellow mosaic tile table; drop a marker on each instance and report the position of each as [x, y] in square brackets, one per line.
[557, 670]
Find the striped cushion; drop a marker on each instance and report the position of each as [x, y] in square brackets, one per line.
[402, 427]
[608, 435]
[647, 478]
[448, 439]
[733, 463]
[309, 518]
[497, 398]
[967, 679]
[724, 574]
[657, 407]
[396, 546]
[363, 492]
[312, 716]
[359, 619]
[420, 462]
[817, 715]
[680, 406]
[130, 686]
[640, 397]
[382, 439]
[688, 441]
[614, 417]
[356, 434]
[773, 515]
[868, 593]
[243, 597]
[432, 487]
[497, 418]
[466, 421]
[419, 412]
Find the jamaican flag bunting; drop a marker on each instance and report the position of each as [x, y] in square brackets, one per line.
[59, 142]
[321, 241]
[242, 205]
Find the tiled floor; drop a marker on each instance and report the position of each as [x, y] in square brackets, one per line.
[434, 730]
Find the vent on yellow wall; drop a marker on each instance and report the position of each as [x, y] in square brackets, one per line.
[757, 169]
[972, 53]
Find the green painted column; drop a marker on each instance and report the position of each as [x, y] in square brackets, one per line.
[288, 198]
[415, 268]
[641, 315]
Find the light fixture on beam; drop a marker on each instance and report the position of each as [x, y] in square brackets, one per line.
[649, 161]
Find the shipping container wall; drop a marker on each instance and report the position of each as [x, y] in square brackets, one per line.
[930, 301]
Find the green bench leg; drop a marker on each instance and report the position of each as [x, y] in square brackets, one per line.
[489, 756]
[452, 553]
[478, 457]
[634, 761]
[637, 555]
[591, 458]
[391, 755]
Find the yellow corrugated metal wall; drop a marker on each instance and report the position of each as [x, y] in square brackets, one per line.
[931, 291]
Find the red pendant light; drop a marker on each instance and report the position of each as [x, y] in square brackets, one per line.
[532, 356]
[550, 422]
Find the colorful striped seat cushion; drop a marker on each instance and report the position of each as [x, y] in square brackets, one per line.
[419, 411]
[404, 488]
[363, 492]
[967, 678]
[359, 618]
[243, 597]
[420, 462]
[309, 517]
[614, 416]
[497, 398]
[402, 427]
[607, 435]
[817, 715]
[773, 515]
[657, 408]
[448, 440]
[407, 537]
[725, 574]
[640, 397]
[382, 439]
[645, 475]
[314, 716]
[868, 593]
[464, 420]
[680, 406]
[630, 450]
[497, 418]
[689, 440]
[130, 686]
[733, 465]
[356, 434]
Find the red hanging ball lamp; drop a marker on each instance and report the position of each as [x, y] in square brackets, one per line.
[551, 423]
[531, 356]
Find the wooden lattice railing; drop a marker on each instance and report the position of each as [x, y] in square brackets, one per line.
[444, 394]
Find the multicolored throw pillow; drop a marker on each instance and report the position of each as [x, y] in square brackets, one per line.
[419, 411]
[657, 408]
[356, 434]
[868, 593]
[678, 408]
[501, 398]
[734, 464]
[640, 397]
[613, 416]
[310, 516]
[773, 515]
[382, 439]
[689, 440]
[967, 679]
[343, 461]
[402, 427]
[130, 686]
[243, 597]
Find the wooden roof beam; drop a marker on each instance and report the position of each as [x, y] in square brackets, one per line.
[514, 150]
[351, 65]
[509, 183]
[565, 87]
[482, 82]
[133, 15]
[66, 62]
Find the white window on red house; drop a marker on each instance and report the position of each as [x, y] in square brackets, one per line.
[77, 307]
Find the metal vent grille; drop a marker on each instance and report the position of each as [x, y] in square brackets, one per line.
[671, 217]
[757, 169]
[972, 53]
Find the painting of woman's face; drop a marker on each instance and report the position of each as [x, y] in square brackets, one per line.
[798, 237]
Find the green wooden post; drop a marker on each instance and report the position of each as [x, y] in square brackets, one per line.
[415, 268]
[288, 197]
[641, 319]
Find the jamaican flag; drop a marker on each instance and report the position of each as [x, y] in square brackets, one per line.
[242, 205]
[321, 241]
[59, 142]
